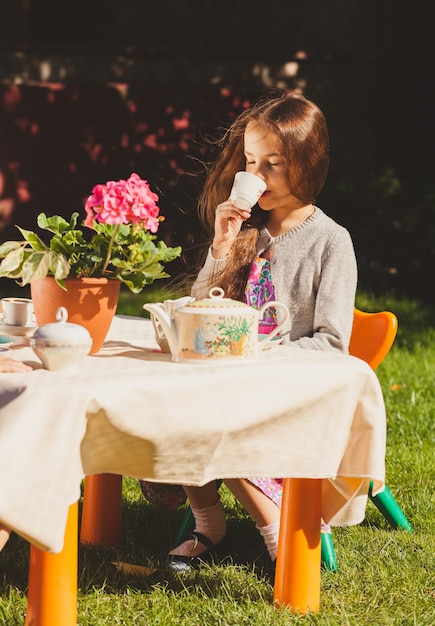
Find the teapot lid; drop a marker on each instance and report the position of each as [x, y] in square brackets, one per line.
[62, 330]
[216, 300]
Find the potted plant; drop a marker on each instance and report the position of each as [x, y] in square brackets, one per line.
[116, 243]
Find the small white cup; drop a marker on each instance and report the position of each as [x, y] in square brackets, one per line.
[17, 311]
[247, 189]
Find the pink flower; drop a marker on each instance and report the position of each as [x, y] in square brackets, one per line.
[123, 202]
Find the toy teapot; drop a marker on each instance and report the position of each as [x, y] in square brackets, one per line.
[214, 328]
[60, 345]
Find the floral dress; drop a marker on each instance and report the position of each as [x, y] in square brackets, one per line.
[259, 290]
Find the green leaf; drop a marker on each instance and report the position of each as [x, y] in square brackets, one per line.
[12, 262]
[57, 224]
[59, 266]
[168, 254]
[9, 246]
[135, 282]
[35, 267]
[32, 239]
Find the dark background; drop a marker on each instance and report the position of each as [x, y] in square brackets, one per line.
[92, 91]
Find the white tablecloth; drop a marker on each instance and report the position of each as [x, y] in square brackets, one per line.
[131, 410]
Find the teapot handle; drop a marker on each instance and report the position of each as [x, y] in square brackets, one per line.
[156, 324]
[279, 305]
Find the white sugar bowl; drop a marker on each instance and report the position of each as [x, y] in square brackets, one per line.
[61, 346]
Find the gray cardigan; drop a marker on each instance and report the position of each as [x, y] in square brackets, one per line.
[314, 272]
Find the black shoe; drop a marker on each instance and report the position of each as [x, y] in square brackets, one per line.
[183, 564]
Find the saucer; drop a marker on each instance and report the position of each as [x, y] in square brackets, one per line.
[5, 340]
[16, 331]
[274, 341]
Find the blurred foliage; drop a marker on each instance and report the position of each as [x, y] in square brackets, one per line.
[92, 91]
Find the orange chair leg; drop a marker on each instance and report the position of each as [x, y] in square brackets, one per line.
[102, 510]
[297, 576]
[52, 595]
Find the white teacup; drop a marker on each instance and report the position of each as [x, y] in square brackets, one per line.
[17, 311]
[169, 306]
[247, 189]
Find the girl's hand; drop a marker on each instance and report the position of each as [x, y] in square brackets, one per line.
[8, 364]
[227, 224]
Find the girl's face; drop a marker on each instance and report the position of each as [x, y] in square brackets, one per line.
[263, 158]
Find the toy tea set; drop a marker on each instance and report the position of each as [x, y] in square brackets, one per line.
[60, 345]
[214, 328]
[211, 329]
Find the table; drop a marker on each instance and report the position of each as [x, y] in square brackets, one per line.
[316, 418]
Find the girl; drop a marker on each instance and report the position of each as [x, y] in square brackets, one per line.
[286, 249]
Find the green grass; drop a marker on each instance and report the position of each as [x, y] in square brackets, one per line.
[384, 576]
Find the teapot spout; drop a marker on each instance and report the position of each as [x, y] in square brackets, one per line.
[164, 327]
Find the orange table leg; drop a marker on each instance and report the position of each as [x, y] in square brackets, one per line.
[102, 510]
[297, 576]
[52, 595]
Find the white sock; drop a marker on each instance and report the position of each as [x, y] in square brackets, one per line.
[270, 535]
[211, 523]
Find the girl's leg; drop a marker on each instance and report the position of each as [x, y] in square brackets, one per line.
[260, 507]
[202, 497]
[209, 522]
[210, 519]
[263, 510]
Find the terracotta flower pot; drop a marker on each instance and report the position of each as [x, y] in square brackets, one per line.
[90, 302]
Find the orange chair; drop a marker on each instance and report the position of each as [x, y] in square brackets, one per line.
[373, 334]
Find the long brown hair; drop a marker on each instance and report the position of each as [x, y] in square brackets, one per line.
[301, 129]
